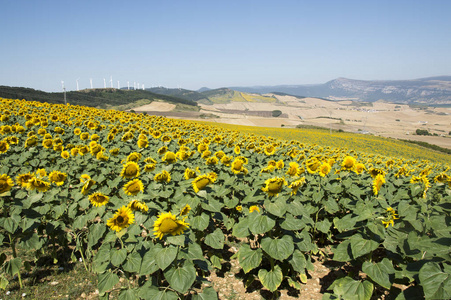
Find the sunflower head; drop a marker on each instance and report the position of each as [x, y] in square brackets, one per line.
[130, 170]
[121, 219]
[98, 199]
[274, 186]
[378, 181]
[189, 173]
[324, 169]
[254, 208]
[38, 184]
[163, 176]
[138, 205]
[168, 223]
[6, 183]
[348, 163]
[185, 210]
[22, 179]
[133, 187]
[169, 157]
[57, 177]
[295, 185]
[201, 182]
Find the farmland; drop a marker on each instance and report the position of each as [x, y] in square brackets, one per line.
[160, 204]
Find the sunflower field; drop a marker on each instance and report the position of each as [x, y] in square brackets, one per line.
[157, 202]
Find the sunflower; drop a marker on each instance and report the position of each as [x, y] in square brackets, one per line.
[219, 154]
[348, 163]
[22, 179]
[169, 157]
[134, 156]
[292, 169]
[274, 186]
[150, 160]
[163, 176]
[130, 170]
[57, 177]
[185, 210]
[324, 169]
[269, 150]
[114, 151]
[6, 183]
[239, 208]
[200, 182]
[254, 208]
[189, 173]
[98, 199]
[374, 172]
[267, 169]
[238, 166]
[84, 136]
[84, 178]
[77, 131]
[202, 147]
[212, 160]
[143, 143]
[87, 186]
[149, 168]
[121, 219]
[312, 165]
[280, 164]
[132, 188]
[183, 155]
[41, 173]
[377, 183]
[237, 149]
[38, 184]
[4, 146]
[138, 205]
[162, 150]
[359, 168]
[31, 141]
[168, 223]
[226, 160]
[65, 154]
[295, 185]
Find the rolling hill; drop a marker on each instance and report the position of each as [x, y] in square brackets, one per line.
[101, 98]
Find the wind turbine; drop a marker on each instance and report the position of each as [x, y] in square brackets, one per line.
[128, 85]
[104, 83]
[118, 85]
[111, 81]
[64, 91]
[90, 81]
[134, 85]
[77, 83]
[143, 86]
[138, 85]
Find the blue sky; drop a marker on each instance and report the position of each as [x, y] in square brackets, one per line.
[191, 44]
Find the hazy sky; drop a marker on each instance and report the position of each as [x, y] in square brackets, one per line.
[192, 44]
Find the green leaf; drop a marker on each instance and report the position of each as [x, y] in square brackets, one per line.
[149, 262]
[31, 241]
[200, 222]
[96, 232]
[271, 279]
[208, 293]
[279, 249]
[215, 239]
[292, 223]
[298, 261]
[241, 229]
[118, 256]
[3, 282]
[361, 246]
[260, 224]
[165, 295]
[323, 226]
[249, 259]
[380, 272]
[436, 283]
[127, 294]
[10, 225]
[106, 281]
[176, 240]
[166, 256]
[133, 263]
[12, 266]
[343, 251]
[181, 278]
[349, 288]
[277, 208]
[346, 223]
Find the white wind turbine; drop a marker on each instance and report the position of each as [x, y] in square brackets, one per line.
[77, 84]
[143, 86]
[104, 83]
[64, 91]
[128, 85]
[90, 81]
[111, 81]
[118, 85]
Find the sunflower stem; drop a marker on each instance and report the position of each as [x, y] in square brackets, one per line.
[13, 248]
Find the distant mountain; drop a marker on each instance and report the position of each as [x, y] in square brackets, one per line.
[203, 89]
[432, 90]
[102, 98]
[179, 93]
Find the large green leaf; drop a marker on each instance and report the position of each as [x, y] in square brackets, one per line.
[200, 222]
[436, 283]
[277, 208]
[106, 281]
[12, 266]
[241, 229]
[207, 294]
[133, 263]
[215, 239]
[260, 224]
[292, 223]
[149, 262]
[361, 246]
[348, 288]
[379, 272]
[181, 278]
[249, 259]
[298, 261]
[166, 256]
[323, 225]
[127, 294]
[271, 279]
[278, 248]
[118, 256]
